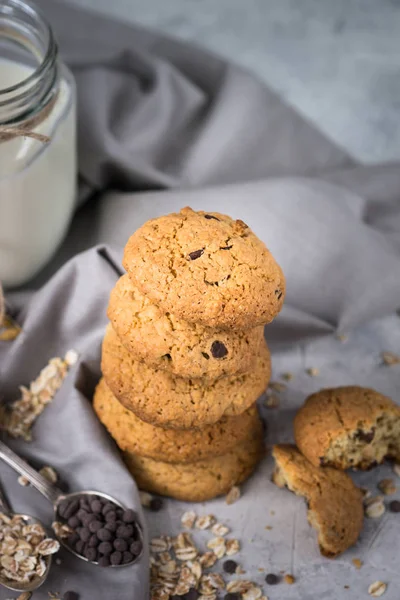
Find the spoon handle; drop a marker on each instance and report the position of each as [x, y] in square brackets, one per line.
[4, 506]
[49, 491]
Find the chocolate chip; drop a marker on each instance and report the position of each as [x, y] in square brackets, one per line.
[71, 508]
[272, 579]
[96, 506]
[211, 217]
[111, 526]
[90, 553]
[104, 561]
[167, 356]
[231, 596]
[84, 534]
[129, 516]
[218, 349]
[125, 531]
[70, 596]
[120, 545]
[225, 247]
[394, 506]
[82, 514]
[365, 436]
[190, 595]
[322, 461]
[107, 508]
[136, 548]
[104, 535]
[94, 526]
[73, 522]
[72, 539]
[196, 254]
[116, 558]
[278, 294]
[156, 504]
[93, 541]
[206, 356]
[230, 566]
[106, 548]
[79, 546]
[126, 557]
[111, 516]
[372, 465]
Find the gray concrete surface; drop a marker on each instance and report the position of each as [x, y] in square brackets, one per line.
[336, 61]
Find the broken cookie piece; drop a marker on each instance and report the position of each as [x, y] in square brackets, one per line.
[348, 427]
[335, 507]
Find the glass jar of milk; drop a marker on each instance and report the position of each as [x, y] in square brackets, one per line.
[37, 142]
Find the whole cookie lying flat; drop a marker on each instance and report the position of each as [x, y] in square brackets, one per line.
[164, 342]
[206, 268]
[335, 506]
[348, 427]
[171, 445]
[198, 481]
[162, 399]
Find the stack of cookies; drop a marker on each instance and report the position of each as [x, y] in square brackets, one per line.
[184, 358]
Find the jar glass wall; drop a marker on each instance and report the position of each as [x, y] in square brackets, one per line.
[37, 143]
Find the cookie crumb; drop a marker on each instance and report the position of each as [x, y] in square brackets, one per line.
[233, 495]
[277, 386]
[23, 481]
[145, 498]
[272, 401]
[287, 376]
[71, 358]
[374, 507]
[312, 372]
[357, 563]
[268, 527]
[49, 473]
[396, 469]
[289, 579]
[389, 358]
[342, 337]
[387, 487]
[377, 589]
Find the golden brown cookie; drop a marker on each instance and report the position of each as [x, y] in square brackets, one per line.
[172, 445]
[160, 398]
[165, 342]
[335, 506]
[198, 481]
[348, 427]
[206, 268]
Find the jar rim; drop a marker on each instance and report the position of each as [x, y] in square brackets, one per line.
[49, 55]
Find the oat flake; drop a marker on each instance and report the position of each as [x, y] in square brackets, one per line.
[377, 589]
[233, 495]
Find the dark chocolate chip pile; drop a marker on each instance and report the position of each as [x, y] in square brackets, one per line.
[103, 532]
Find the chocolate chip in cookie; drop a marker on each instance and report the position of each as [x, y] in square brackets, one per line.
[218, 349]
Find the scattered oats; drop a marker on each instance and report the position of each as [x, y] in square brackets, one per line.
[219, 530]
[261, 570]
[272, 401]
[188, 519]
[211, 582]
[212, 596]
[48, 546]
[208, 560]
[205, 522]
[377, 589]
[232, 547]
[287, 376]
[217, 545]
[357, 563]
[312, 372]
[195, 568]
[342, 337]
[254, 593]
[289, 579]
[62, 530]
[71, 358]
[160, 544]
[277, 386]
[374, 507]
[390, 359]
[185, 554]
[145, 498]
[49, 473]
[239, 570]
[9, 330]
[18, 418]
[239, 586]
[264, 598]
[23, 481]
[233, 495]
[387, 487]
[396, 469]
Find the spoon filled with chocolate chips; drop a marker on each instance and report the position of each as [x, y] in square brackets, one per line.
[92, 525]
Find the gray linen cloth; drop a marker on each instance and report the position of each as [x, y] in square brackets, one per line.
[155, 114]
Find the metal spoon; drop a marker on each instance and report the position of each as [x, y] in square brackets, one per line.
[19, 586]
[56, 496]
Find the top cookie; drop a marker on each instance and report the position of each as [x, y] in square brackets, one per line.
[348, 427]
[182, 348]
[206, 268]
[335, 507]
